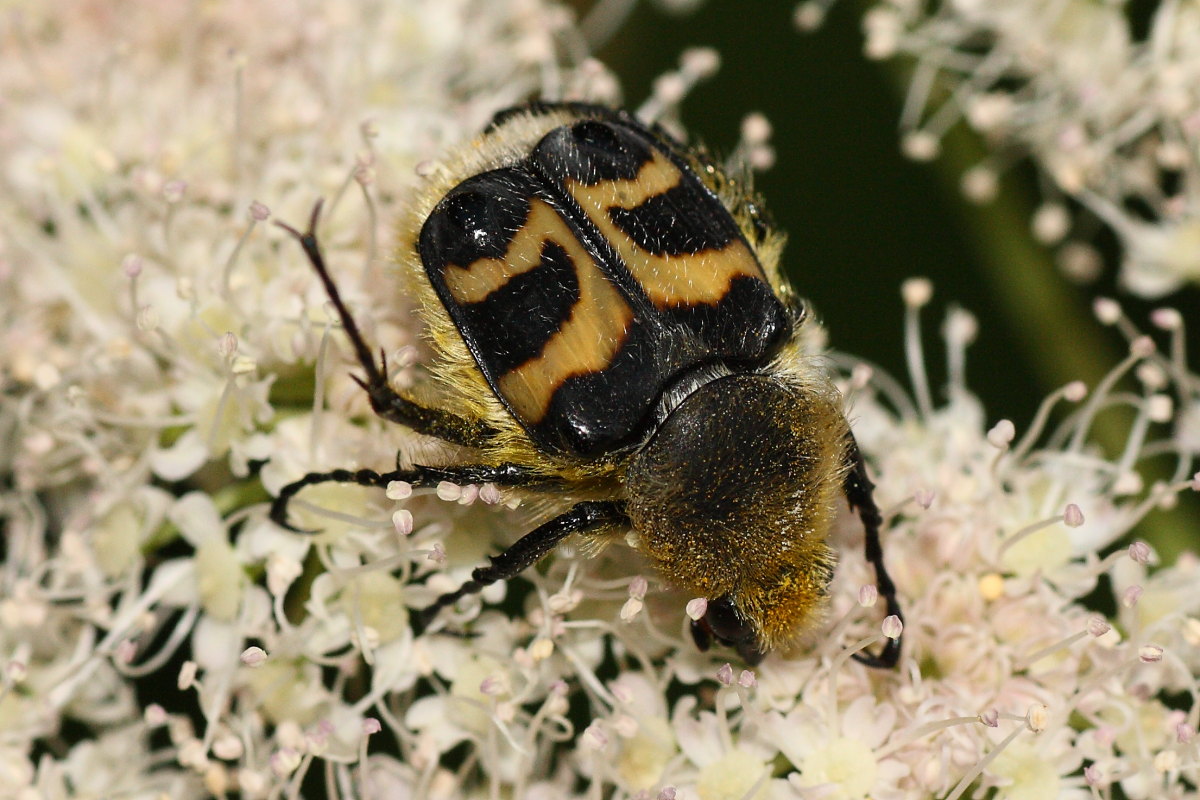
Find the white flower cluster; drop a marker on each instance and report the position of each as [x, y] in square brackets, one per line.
[1100, 96]
[160, 351]
[157, 346]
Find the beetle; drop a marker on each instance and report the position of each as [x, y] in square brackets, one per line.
[612, 330]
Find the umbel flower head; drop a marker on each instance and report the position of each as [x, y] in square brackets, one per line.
[161, 352]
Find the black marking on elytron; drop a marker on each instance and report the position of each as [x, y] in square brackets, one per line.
[599, 409]
[684, 219]
[604, 411]
[674, 223]
[592, 151]
[476, 219]
[518, 318]
[749, 320]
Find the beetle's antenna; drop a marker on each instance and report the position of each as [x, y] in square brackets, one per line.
[312, 249]
[385, 400]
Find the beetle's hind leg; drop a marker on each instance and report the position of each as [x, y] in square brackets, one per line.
[590, 515]
[385, 400]
[417, 475]
[859, 495]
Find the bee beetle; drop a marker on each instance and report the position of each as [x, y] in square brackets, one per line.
[612, 330]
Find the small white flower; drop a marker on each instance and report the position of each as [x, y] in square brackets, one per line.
[645, 754]
[735, 775]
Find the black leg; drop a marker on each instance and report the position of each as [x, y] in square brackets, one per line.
[796, 309]
[386, 401]
[528, 550]
[723, 622]
[417, 475]
[858, 494]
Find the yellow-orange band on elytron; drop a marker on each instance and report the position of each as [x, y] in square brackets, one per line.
[585, 343]
[474, 282]
[668, 280]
